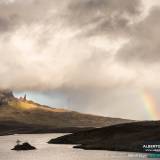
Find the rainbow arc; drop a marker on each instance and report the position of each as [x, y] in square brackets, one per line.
[150, 105]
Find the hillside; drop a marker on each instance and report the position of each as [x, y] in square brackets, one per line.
[122, 137]
[28, 114]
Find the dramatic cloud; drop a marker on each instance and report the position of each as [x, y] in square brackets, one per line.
[144, 43]
[103, 16]
[17, 13]
[85, 49]
[42, 49]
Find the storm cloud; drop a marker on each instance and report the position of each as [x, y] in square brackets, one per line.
[85, 49]
[103, 16]
[143, 46]
[40, 43]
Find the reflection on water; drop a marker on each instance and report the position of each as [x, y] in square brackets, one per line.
[56, 152]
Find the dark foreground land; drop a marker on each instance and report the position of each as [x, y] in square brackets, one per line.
[123, 137]
[11, 127]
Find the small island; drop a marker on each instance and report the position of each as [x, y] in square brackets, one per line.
[23, 146]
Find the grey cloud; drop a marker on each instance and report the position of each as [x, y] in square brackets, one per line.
[17, 13]
[92, 17]
[4, 25]
[102, 16]
[144, 44]
[66, 60]
[8, 23]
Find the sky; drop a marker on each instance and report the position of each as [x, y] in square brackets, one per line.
[92, 56]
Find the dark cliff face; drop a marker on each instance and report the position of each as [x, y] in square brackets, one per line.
[5, 96]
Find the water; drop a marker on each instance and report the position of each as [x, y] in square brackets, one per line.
[56, 152]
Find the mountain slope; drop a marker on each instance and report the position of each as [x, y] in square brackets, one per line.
[22, 111]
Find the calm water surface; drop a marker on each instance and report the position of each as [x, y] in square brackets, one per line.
[56, 152]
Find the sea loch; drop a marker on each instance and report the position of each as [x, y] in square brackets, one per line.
[56, 152]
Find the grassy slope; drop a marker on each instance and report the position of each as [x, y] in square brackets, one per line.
[30, 113]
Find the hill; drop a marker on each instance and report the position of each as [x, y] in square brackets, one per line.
[24, 116]
[132, 137]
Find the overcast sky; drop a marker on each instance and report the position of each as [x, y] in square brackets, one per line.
[92, 56]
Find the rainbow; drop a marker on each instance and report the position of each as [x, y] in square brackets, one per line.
[150, 105]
